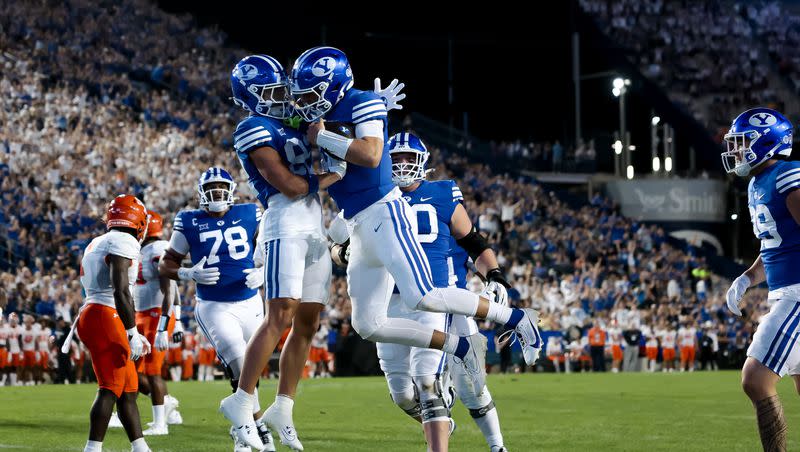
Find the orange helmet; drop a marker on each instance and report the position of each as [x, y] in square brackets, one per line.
[155, 225]
[126, 211]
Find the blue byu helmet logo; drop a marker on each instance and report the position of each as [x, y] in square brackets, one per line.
[762, 120]
[323, 66]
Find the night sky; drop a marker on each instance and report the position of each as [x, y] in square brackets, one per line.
[512, 69]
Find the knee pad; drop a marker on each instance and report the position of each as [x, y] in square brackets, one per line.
[432, 399]
[404, 394]
[465, 390]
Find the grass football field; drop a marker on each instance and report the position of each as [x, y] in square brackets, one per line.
[544, 412]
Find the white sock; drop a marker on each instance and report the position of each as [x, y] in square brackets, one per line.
[159, 415]
[490, 427]
[449, 299]
[209, 373]
[256, 404]
[284, 403]
[93, 446]
[499, 313]
[139, 445]
[13, 378]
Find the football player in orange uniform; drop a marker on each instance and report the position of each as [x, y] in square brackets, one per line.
[154, 297]
[106, 323]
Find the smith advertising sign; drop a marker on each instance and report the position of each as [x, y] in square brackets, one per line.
[671, 199]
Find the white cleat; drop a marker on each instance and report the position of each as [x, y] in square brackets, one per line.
[266, 437]
[174, 418]
[114, 421]
[171, 408]
[475, 362]
[156, 430]
[238, 445]
[283, 424]
[499, 449]
[240, 414]
[528, 336]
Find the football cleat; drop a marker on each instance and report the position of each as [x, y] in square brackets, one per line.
[474, 363]
[266, 437]
[528, 336]
[238, 445]
[499, 449]
[283, 424]
[240, 414]
[114, 421]
[156, 430]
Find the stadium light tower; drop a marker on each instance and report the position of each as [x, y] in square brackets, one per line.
[654, 144]
[620, 87]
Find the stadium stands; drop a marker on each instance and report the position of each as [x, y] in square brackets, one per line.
[112, 109]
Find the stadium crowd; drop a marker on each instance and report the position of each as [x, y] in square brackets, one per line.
[142, 119]
[679, 45]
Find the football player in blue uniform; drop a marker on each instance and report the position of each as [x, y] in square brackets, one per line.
[759, 144]
[278, 163]
[384, 248]
[414, 374]
[220, 238]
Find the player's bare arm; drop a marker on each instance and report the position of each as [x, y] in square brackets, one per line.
[461, 226]
[170, 263]
[366, 151]
[274, 170]
[122, 294]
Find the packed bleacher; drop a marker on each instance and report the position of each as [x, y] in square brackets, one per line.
[709, 57]
[113, 108]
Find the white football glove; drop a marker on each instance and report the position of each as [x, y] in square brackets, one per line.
[177, 332]
[391, 94]
[162, 341]
[496, 293]
[333, 164]
[139, 344]
[255, 277]
[736, 292]
[202, 275]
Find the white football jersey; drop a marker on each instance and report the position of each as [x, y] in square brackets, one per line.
[687, 337]
[614, 336]
[29, 338]
[95, 271]
[13, 338]
[44, 339]
[320, 339]
[291, 218]
[668, 338]
[4, 335]
[147, 292]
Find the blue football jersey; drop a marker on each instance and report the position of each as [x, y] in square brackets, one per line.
[227, 243]
[773, 223]
[361, 186]
[258, 131]
[434, 204]
[459, 259]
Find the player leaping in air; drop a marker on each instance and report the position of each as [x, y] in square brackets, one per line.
[416, 375]
[220, 237]
[278, 163]
[384, 249]
[759, 144]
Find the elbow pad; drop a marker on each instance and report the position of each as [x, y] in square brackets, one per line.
[473, 243]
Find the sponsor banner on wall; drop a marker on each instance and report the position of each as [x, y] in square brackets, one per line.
[688, 200]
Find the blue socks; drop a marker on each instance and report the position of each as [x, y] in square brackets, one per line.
[462, 349]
